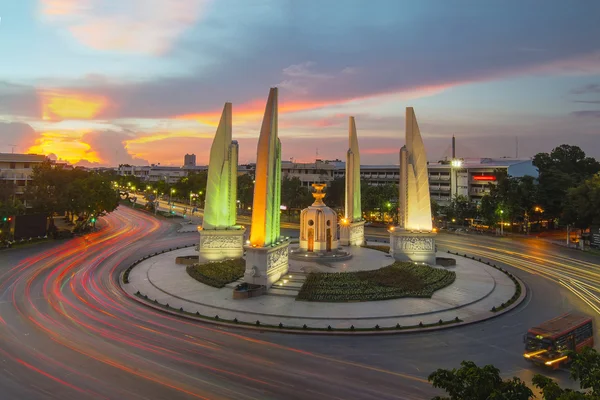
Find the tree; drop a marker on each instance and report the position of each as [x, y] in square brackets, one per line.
[582, 207]
[510, 199]
[435, 209]
[460, 209]
[195, 183]
[245, 190]
[293, 194]
[471, 382]
[379, 198]
[563, 168]
[336, 193]
[56, 190]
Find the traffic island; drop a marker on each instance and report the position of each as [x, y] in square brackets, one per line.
[160, 283]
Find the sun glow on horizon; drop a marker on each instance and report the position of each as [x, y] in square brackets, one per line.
[67, 145]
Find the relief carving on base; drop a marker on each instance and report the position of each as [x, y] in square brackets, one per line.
[221, 242]
[357, 232]
[415, 244]
[277, 257]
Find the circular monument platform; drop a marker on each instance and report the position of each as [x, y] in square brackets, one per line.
[477, 289]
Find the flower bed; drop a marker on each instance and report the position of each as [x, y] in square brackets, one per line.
[218, 274]
[400, 279]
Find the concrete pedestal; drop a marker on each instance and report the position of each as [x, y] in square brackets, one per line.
[266, 265]
[221, 244]
[352, 234]
[413, 246]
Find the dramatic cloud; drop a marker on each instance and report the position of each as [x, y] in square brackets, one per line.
[590, 88]
[136, 26]
[587, 113]
[57, 106]
[16, 134]
[155, 75]
[110, 146]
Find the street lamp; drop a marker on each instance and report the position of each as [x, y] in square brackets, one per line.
[170, 193]
[501, 222]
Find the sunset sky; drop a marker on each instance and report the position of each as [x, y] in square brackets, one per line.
[103, 82]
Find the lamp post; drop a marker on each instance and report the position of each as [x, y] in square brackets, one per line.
[156, 202]
[501, 222]
[171, 193]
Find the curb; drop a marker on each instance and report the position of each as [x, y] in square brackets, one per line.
[319, 331]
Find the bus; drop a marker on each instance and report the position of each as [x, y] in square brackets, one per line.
[548, 343]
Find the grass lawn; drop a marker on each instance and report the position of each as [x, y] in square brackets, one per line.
[401, 279]
[218, 274]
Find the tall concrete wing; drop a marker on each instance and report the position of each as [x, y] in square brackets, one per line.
[419, 203]
[353, 210]
[221, 188]
[415, 238]
[265, 229]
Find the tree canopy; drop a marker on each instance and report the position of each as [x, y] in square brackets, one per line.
[55, 189]
[471, 382]
[563, 168]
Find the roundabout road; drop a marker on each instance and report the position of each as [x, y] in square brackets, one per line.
[67, 331]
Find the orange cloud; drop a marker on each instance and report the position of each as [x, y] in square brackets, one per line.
[384, 150]
[57, 105]
[136, 26]
[67, 145]
[254, 111]
[61, 7]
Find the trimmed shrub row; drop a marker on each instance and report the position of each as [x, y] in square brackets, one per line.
[304, 327]
[218, 274]
[385, 249]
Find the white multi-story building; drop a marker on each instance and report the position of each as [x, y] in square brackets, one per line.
[156, 173]
[467, 177]
[18, 168]
[318, 172]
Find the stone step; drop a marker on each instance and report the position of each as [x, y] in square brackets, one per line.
[281, 292]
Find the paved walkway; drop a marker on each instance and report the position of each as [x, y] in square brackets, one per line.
[476, 290]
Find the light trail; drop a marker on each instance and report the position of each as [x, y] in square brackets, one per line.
[580, 277]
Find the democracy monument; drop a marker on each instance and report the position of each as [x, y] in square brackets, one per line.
[328, 281]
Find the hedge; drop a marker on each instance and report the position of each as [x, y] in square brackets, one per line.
[400, 279]
[218, 274]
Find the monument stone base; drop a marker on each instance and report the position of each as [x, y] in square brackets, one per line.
[413, 246]
[266, 265]
[221, 244]
[352, 234]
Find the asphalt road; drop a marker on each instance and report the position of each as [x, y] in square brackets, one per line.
[67, 331]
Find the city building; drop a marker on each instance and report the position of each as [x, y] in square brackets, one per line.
[155, 173]
[466, 177]
[189, 160]
[318, 172]
[18, 168]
